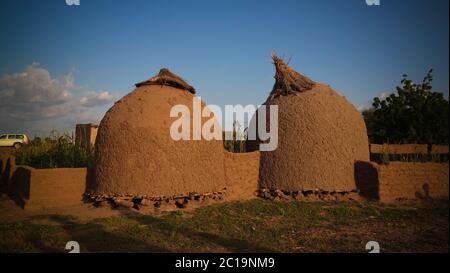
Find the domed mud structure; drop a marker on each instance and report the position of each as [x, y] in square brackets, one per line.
[320, 136]
[135, 154]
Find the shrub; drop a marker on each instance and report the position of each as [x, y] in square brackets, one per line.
[237, 144]
[55, 151]
[413, 114]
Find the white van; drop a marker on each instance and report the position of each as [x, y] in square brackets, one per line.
[13, 140]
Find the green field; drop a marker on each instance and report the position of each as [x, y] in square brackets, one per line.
[254, 226]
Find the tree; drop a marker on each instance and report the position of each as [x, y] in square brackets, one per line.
[413, 114]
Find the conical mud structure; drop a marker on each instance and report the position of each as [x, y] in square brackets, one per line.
[321, 136]
[136, 155]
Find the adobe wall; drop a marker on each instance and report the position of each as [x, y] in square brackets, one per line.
[399, 180]
[7, 166]
[399, 148]
[46, 188]
[242, 174]
[413, 180]
[439, 149]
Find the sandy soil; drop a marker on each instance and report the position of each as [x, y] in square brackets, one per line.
[11, 212]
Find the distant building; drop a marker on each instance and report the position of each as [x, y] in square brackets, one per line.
[85, 135]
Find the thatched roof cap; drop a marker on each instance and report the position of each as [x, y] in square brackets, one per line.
[166, 77]
[287, 80]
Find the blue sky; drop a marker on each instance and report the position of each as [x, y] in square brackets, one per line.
[98, 50]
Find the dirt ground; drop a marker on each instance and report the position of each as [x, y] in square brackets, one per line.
[10, 212]
[251, 226]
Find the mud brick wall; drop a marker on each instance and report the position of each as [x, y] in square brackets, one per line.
[399, 180]
[47, 188]
[399, 148]
[439, 149]
[7, 166]
[413, 180]
[242, 175]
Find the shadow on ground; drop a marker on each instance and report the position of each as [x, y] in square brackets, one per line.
[229, 244]
[95, 236]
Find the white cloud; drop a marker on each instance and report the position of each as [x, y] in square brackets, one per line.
[33, 99]
[96, 99]
[69, 81]
[383, 95]
[32, 94]
[364, 107]
[368, 105]
[34, 85]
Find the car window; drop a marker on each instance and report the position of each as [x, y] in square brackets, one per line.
[3, 137]
[11, 136]
[19, 136]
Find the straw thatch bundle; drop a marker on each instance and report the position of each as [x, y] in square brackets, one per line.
[167, 78]
[287, 80]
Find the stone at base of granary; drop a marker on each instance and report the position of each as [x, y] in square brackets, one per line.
[179, 201]
[309, 195]
[399, 181]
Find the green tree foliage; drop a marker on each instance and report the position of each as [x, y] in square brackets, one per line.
[413, 114]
